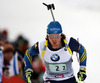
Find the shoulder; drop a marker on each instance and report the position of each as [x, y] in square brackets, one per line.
[73, 44]
[41, 43]
[73, 39]
[68, 39]
[38, 44]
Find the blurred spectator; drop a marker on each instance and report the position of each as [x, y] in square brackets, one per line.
[20, 66]
[21, 44]
[13, 55]
[1, 64]
[13, 79]
[4, 35]
[12, 65]
[3, 38]
[13, 59]
[8, 53]
[38, 70]
[1, 45]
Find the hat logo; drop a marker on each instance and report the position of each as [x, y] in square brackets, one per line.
[54, 29]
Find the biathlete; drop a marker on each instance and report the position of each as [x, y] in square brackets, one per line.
[56, 51]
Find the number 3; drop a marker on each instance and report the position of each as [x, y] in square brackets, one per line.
[63, 67]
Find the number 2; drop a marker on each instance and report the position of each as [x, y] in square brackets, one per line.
[57, 68]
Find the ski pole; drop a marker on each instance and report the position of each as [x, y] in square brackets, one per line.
[50, 7]
[77, 54]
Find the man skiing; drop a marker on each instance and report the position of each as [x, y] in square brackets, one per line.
[56, 51]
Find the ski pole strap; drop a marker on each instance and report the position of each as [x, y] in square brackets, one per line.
[83, 73]
[29, 81]
[44, 48]
[67, 47]
[79, 80]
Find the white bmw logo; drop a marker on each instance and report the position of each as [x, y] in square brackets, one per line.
[55, 57]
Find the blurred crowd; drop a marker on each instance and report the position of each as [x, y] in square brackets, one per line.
[13, 60]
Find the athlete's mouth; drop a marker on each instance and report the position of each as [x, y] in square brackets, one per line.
[54, 43]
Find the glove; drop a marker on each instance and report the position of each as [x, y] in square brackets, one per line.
[81, 75]
[28, 72]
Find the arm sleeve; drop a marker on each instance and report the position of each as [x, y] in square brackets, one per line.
[76, 46]
[32, 51]
[82, 56]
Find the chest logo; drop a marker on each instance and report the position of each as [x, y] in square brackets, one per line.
[55, 57]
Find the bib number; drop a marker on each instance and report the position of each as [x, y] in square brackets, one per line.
[57, 68]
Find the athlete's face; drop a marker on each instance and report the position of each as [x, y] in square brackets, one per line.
[55, 40]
